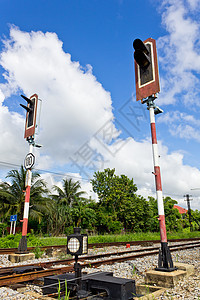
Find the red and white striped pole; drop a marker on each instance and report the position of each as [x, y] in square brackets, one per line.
[161, 213]
[165, 262]
[27, 197]
[22, 248]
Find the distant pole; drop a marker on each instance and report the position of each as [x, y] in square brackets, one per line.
[14, 227]
[11, 227]
[189, 210]
[165, 262]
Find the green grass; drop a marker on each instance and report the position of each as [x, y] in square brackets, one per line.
[49, 241]
[183, 235]
[32, 240]
[141, 236]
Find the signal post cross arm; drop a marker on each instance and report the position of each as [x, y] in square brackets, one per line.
[147, 86]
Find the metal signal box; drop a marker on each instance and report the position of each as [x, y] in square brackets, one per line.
[146, 68]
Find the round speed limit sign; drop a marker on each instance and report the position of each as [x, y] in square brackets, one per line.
[29, 161]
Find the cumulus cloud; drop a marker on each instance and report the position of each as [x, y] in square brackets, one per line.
[12, 148]
[179, 52]
[74, 103]
[182, 125]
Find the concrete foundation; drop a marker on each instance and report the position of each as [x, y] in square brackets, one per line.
[149, 292]
[169, 279]
[15, 257]
[189, 269]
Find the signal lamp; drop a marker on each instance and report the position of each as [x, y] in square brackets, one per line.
[146, 68]
[77, 243]
[31, 109]
[141, 54]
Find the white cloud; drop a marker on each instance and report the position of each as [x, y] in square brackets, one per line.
[194, 4]
[135, 160]
[12, 147]
[179, 52]
[75, 104]
[182, 125]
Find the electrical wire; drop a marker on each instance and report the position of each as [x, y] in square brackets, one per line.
[46, 171]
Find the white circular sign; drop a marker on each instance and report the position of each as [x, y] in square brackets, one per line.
[73, 245]
[29, 161]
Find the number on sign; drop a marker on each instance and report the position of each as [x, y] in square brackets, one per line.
[29, 161]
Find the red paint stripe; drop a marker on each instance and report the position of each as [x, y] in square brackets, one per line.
[158, 178]
[153, 133]
[27, 196]
[25, 226]
[163, 234]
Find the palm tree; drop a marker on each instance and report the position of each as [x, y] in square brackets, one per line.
[64, 201]
[12, 194]
[70, 193]
[6, 203]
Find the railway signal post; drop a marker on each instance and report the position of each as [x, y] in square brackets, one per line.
[29, 161]
[147, 86]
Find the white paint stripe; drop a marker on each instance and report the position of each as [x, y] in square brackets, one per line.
[155, 155]
[152, 116]
[30, 148]
[29, 174]
[160, 203]
[26, 210]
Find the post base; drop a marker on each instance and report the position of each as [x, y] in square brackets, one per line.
[22, 248]
[165, 262]
[20, 257]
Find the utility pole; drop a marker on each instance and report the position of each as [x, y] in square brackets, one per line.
[189, 210]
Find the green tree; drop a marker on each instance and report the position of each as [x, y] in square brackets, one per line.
[12, 195]
[58, 217]
[119, 203]
[173, 218]
[154, 223]
[196, 219]
[69, 193]
[68, 206]
[172, 215]
[83, 214]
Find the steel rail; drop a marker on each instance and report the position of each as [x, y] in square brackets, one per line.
[16, 278]
[10, 270]
[98, 245]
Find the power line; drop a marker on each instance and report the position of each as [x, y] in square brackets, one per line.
[45, 171]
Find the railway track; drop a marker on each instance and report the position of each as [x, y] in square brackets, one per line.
[98, 245]
[8, 275]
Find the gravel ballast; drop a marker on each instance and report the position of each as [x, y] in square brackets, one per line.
[134, 269]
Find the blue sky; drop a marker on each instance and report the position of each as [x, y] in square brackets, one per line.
[78, 57]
